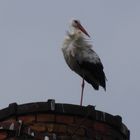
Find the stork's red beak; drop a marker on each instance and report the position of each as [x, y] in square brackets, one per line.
[82, 29]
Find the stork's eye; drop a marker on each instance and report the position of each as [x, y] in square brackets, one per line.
[76, 21]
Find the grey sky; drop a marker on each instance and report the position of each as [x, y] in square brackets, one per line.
[32, 67]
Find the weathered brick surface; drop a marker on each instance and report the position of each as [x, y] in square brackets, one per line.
[56, 128]
[27, 119]
[64, 119]
[40, 127]
[60, 128]
[75, 130]
[64, 125]
[9, 120]
[45, 118]
[3, 135]
[83, 121]
[50, 127]
[102, 127]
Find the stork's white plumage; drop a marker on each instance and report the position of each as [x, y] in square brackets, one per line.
[81, 58]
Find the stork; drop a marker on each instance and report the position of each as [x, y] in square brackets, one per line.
[81, 58]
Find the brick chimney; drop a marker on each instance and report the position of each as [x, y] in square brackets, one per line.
[57, 121]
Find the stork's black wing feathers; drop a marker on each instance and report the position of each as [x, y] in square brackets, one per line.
[93, 73]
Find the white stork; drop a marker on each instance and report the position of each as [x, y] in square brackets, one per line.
[81, 58]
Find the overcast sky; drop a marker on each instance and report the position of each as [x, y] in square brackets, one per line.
[32, 67]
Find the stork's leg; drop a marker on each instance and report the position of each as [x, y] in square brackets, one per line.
[82, 91]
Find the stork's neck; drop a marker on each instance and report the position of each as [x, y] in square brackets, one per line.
[75, 34]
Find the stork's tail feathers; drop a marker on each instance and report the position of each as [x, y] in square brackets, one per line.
[96, 86]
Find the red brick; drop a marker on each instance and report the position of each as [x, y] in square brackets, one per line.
[75, 130]
[3, 135]
[10, 120]
[83, 121]
[45, 118]
[102, 127]
[38, 127]
[57, 128]
[80, 131]
[27, 119]
[64, 119]
[60, 128]
[50, 127]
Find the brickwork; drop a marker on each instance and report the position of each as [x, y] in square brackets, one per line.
[58, 124]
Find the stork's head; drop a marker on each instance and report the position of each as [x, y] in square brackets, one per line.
[77, 26]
